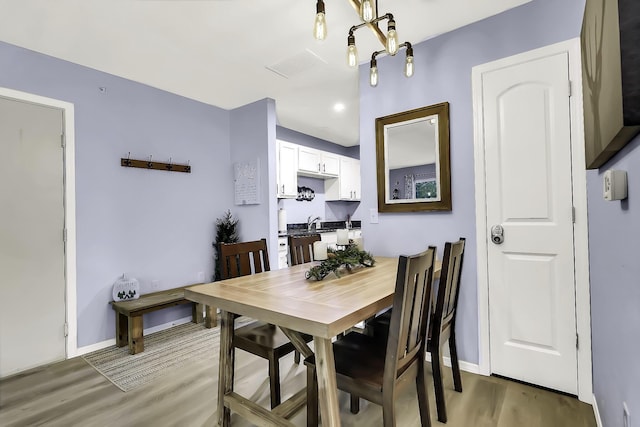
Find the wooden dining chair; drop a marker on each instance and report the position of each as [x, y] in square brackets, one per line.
[443, 323]
[301, 248]
[259, 338]
[441, 326]
[368, 368]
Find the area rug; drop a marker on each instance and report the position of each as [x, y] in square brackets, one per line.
[163, 351]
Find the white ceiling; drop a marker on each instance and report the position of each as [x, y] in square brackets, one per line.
[218, 51]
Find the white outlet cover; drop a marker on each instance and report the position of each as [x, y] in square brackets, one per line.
[373, 216]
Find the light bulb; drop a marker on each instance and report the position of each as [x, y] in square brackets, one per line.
[352, 51]
[366, 11]
[320, 24]
[408, 64]
[373, 74]
[392, 38]
[352, 56]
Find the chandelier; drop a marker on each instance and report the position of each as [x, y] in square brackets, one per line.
[368, 12]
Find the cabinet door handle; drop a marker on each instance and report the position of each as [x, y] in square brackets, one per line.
[282, 188]
[318, 167]
[324, 168]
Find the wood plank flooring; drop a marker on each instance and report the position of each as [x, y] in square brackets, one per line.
[72, 393]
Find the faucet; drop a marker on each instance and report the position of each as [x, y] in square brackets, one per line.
[311, 222]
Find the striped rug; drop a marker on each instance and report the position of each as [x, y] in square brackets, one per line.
[163, 351]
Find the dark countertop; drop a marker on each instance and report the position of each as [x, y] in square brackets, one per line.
[326, 227]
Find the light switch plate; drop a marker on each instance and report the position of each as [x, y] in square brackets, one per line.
[373, 216]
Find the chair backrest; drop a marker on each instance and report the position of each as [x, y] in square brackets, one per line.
[444, 313]
[410, 316]
[301, 248]
[244, 258]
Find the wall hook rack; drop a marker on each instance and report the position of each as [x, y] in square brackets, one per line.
[150, 164]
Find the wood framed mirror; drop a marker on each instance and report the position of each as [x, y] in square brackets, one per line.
[412, 160]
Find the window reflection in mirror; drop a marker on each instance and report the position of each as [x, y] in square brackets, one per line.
[413, 160]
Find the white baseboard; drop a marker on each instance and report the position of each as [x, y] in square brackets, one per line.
[108, 343]
[464, 366]
[596, 412]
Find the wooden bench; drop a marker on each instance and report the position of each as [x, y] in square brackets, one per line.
[129, 329]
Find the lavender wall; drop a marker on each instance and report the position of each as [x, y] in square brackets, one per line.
[253, 137]
[614, 245]
[152, 225]
[443, 73]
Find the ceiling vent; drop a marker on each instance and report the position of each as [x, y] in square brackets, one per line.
[297, 64]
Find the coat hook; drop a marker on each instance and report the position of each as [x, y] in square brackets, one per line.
[149, 163]
[128, 161]
[169, 166]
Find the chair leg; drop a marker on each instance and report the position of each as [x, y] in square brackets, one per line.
[436, 367]
[296, 357]
[312, 397]
[388, 414]
[423, 396]
[455, 366]
[274, 380]
[355, 404]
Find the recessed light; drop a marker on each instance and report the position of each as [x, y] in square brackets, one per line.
[338, 107]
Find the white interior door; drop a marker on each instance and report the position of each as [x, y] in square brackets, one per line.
[527, 134]
[32, 282]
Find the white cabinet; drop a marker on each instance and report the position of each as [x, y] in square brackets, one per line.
[347, 185]
[286, 165]
[314, 162]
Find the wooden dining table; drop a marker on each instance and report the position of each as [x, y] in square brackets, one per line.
[287, 299]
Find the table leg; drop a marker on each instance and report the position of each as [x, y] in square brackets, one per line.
[210, 319]
[226, 368]
[327, 386]
[298, 342]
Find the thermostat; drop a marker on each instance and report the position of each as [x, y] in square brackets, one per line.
[615, 185]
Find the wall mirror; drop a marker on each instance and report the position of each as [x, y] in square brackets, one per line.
[412, 152]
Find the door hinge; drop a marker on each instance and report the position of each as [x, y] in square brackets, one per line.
[577, 342]
[570, 90]
[63, 140]
[573, 214]
[66, 329]
[64, 235]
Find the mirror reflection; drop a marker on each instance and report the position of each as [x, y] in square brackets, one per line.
[413, 160]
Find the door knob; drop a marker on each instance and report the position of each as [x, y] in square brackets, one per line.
[497, 234]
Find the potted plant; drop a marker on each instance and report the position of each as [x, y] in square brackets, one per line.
[226, 232]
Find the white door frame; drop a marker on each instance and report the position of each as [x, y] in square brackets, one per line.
[579, 187]
[69, 207]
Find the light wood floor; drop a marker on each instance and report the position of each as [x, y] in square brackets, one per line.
[72, 393]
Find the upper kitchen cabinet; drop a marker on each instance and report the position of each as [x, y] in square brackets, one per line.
[316, 163]
[286, 165]
[348, 184]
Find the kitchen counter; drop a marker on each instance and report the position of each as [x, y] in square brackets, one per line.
[326, 227]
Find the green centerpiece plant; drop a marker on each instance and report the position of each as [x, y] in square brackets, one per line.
[348, 258]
